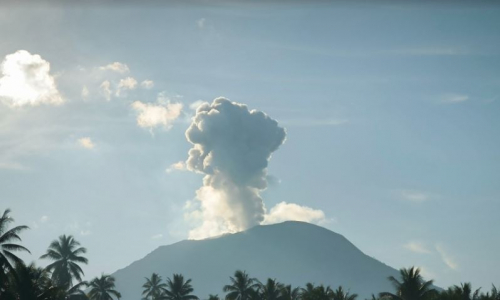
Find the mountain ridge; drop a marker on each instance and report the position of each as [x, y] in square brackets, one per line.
[292, 252]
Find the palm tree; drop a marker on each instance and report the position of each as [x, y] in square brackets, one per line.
[31, 282]
[7, 247]
[464, 292]
[287, 293]
[311, 292]
[213, 297]
[307, 292]
[241, 286]
[178, 289]
[103, 288]
[271, 290]
[495, 294]
[322, 293]
[76, 292]
[341, 294]
[153, 288]
[411, 287]
[66, 254]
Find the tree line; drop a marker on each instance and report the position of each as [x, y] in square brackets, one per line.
[62, 279]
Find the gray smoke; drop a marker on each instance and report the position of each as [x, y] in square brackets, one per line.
[232, 147]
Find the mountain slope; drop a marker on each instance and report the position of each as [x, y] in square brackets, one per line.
[292, 252]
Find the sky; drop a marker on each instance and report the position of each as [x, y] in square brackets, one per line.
[379, 121]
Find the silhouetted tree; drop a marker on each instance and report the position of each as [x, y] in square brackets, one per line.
[66, 254]
[271, 290]
[341, 294]
[241, 286]
[178, 289]
[213, 297]
[311, 292]
[153, 288]
[287, 293]
[30, 283]
[322, 293]
[493, 295]
[103, 288]
[411, 287]
[76, 292]
[462, 292]
[8, 259]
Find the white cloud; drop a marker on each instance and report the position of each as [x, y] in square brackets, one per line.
[44, 219]
[116, 67]
[157, 236]
[153, 115]
[201, 23]
[454, 98]
[86, 142]
[196, 104]
[85, 92]
[147, 84]
[179, 166]
[106, 89]
[85, 232]
[293, 212]
[26, 80]
[447, 259]
[417, 247]
[413, 196]
[128, 83]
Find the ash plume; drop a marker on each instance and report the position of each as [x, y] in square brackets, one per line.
[232, 146]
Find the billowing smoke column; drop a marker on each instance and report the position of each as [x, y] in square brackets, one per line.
[232, 146]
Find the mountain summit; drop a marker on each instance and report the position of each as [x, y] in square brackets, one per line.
[292, 252]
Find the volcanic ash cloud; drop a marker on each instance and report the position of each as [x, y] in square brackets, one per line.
[232, 146]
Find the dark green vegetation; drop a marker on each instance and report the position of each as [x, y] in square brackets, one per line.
[62, 279]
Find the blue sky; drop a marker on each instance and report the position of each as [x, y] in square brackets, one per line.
[391, 114]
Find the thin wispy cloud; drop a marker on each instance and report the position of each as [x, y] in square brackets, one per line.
[201, 23]
[116, 67]
[424, 50]
[157, 236]
[128, 83]
[453, 98]
[417, 247]
[12, 165]
[428, 51]
[446, 257]
[85, 232]
[86, 143]
[147, 84]
[152, 115]
[413, 196]
[105, 88]
[178, 166]
[85, 92]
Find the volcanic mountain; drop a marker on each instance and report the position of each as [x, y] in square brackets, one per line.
[292, 252]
